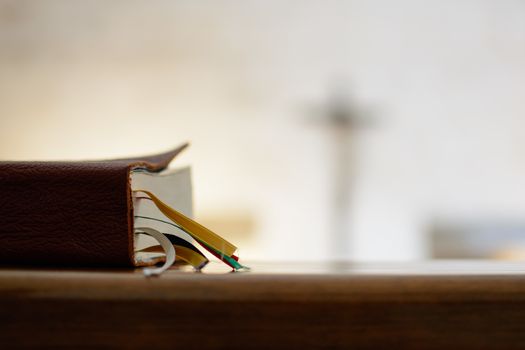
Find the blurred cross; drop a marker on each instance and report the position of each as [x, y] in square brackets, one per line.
[343, 119]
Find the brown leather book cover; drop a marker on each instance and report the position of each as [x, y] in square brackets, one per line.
[70, 213]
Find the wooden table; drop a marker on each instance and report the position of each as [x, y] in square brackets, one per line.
[433, 305]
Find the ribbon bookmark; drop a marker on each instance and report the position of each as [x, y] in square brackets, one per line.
[196, 230]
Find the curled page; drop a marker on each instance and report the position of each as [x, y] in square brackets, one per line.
[165, 243]
[186, 252]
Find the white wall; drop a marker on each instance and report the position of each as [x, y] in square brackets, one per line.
[445, 80]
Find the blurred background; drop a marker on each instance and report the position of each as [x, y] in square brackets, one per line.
[362, 130]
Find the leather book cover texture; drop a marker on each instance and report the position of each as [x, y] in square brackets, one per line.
[70, 213]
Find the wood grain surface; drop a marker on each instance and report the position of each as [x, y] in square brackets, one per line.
[418, 306]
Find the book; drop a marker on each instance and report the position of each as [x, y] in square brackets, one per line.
[112, 213]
